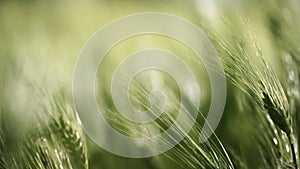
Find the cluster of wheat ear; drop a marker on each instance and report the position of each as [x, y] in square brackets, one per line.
[267, 100]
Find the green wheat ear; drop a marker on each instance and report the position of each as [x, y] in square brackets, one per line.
[260, 83]
[67, 131]
[188, 153]
[276, 114]
[55, 141]
[43, 153]
[64, 129]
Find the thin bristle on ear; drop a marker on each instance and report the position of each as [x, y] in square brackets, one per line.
[260, 83]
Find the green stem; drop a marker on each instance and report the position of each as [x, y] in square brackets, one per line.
[293, 150]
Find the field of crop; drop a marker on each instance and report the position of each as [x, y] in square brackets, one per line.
[239, 58]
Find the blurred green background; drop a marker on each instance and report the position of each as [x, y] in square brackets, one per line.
[41, 40]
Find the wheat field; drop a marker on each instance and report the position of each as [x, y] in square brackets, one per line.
[256, 41]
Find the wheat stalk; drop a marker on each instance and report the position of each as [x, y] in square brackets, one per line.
[189, 153]
[55, 142]
[260, 84]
